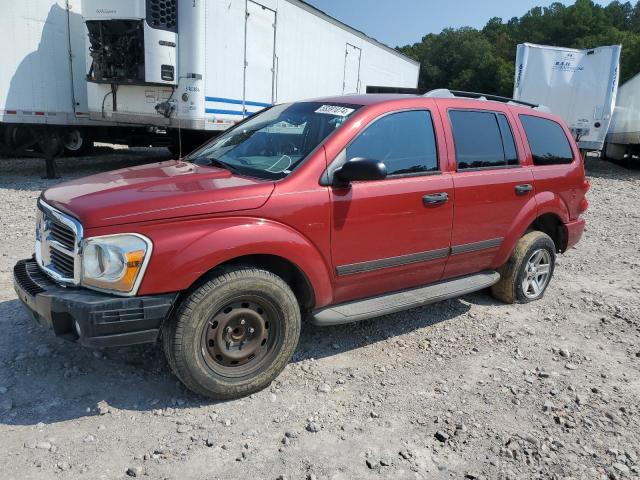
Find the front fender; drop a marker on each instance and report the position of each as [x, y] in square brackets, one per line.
[184, 251]
[541, 204]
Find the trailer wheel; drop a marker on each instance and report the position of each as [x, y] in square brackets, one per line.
[615, 152]
[233, 335]
[19, 137]
[76, 142]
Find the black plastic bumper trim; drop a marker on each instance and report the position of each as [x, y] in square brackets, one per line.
[90, 318]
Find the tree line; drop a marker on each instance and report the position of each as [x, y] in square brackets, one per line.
[484, 60]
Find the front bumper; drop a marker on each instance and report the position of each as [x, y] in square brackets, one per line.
[90, 318]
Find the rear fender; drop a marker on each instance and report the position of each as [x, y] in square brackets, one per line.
[541, 204]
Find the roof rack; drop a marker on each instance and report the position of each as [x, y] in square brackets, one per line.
[446, 93]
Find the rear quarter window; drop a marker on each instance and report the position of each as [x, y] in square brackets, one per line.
[547, 140]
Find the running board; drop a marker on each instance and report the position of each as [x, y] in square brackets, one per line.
[404, 300]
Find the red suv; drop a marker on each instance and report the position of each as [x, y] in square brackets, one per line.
[335, 210]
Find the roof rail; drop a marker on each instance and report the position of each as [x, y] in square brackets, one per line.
[446, 93]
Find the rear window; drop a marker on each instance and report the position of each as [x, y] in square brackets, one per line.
[482, 140]
[547, 140]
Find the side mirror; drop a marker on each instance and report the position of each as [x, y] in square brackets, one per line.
[359, 169]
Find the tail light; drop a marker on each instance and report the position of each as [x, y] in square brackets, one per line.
[584, 205]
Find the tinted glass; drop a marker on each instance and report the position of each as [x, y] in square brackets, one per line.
[404, 141]
[548, 142]
[478, 139]
[508, 143]
[271, 144]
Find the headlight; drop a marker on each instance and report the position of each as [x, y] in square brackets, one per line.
[115, 262]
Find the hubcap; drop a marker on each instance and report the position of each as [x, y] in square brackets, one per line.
[237, 338]
[537, 273]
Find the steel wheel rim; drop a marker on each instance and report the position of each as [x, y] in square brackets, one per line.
[73, 140]
[240, 337]
[537, 273]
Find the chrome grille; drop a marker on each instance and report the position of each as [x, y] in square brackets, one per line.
[62, 234]
[58, 239]
[64, 263]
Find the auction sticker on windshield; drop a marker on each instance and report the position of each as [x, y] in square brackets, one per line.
[335, 110]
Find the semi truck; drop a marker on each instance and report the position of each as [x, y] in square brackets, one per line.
[623, 139]
[578, 85]
[194, 68]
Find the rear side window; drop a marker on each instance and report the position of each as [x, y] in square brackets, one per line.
[547, 140]
[404, 141]
[483, 140]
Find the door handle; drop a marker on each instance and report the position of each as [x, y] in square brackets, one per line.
[523, 189]
[435, 199]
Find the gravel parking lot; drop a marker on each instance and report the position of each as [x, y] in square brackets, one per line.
[468, 388]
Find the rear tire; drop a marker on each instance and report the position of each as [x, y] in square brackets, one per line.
[528, 272]
[233, 335]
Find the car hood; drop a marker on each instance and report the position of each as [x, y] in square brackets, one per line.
[157, 191]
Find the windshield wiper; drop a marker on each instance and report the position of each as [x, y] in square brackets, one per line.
[214, 162]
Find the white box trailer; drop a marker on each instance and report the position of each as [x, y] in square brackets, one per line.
[623, 139]
[202, 66]
[578, 85]
[42, 78]
[43, 84]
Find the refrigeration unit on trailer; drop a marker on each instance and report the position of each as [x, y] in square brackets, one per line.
[202, 66]
[623, 139]
[578, 85]
[43, 97]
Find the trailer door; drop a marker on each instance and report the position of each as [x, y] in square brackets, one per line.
[352, 70]
[259, 57]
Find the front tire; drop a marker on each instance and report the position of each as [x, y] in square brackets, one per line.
[528, 272]
[233, 335]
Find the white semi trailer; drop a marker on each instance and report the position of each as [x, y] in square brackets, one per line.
[44, 109]
[578, 85]
[623, 139]
[198, 67]
[43, 91]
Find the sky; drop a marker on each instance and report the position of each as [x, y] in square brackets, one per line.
[402, 22]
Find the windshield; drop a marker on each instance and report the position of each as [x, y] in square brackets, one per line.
[273, 143]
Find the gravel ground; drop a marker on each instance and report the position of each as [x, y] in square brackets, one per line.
[467, 388]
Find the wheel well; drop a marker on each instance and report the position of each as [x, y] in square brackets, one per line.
[289, 272]
[552, 225]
